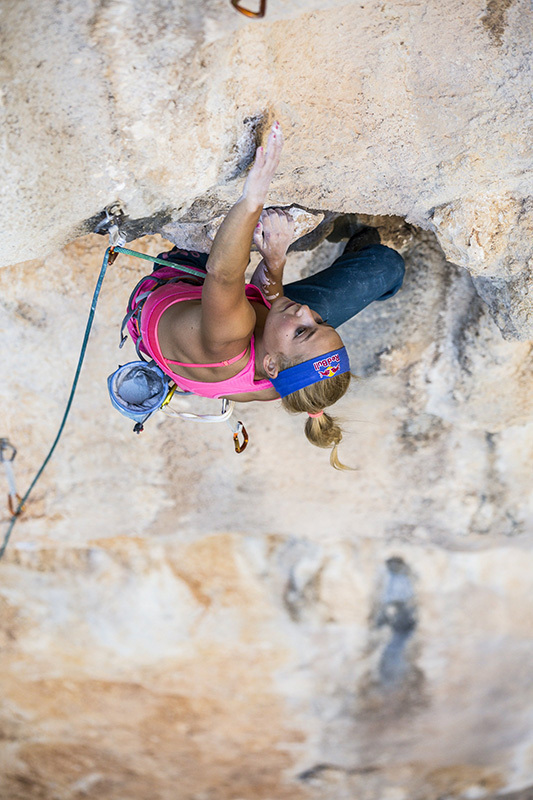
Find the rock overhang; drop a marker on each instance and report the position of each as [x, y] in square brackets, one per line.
[387, 110]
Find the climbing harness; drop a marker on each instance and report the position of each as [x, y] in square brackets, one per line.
[191, 270]
[226, 415]
[247, 13]
[7, 456]
[140, 388]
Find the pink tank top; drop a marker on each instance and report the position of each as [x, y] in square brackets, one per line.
[154, 307]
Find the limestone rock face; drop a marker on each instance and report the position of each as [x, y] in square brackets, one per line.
[181, 621]
[201, 235]
[417, 110]
[490, 235]
[178, 622]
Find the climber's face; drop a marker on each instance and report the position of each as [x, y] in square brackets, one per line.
[297, 332]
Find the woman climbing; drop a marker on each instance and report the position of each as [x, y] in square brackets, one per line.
[222, 338]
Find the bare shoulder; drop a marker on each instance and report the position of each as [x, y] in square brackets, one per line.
[249, 397]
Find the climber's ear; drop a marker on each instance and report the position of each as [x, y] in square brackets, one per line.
[270, 365]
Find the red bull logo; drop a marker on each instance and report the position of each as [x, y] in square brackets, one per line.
[328, 367]
[329, 372]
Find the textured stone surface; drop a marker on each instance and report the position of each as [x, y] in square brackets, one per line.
[200, 235]
[488, 234]
[256, 666]
[181, 623]
[421, 110]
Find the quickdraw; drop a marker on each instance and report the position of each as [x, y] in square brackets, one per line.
[247, 12]
[7, 456]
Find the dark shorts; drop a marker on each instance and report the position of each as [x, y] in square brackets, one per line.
[340, 291]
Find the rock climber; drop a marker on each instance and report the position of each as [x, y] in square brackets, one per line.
[221, 337]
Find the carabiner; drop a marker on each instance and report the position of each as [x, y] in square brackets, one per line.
[5, 444]
[113, 255]
[169, 396]
[253, 14]
[240, 447]
[13, 509]
[7, 456]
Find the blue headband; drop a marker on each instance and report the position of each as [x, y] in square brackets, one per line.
[316, 369]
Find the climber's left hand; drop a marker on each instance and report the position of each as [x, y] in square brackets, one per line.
[263, 169]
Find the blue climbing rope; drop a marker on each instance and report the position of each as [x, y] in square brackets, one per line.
[69, 402]
[198, 272]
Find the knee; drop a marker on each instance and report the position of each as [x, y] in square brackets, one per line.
[394, 265]
[391, 268]
[394, 262]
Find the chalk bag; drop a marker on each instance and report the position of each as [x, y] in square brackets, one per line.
[138, 390]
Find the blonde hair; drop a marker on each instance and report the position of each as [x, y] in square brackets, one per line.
[322, 431]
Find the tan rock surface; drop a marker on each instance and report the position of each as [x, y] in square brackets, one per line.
[181, 623]
[417, 110]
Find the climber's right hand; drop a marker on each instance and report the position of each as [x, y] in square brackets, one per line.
[273, 235]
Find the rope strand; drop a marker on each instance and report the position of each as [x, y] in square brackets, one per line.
[69, 402]
[198, 272]
[110, 251]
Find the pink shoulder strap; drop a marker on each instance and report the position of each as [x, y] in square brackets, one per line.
[218, 364]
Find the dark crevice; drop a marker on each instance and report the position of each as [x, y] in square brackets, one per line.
[494, 19]
[243, 153]
[334, 227]
[397, 610]
[320, 769]
[131, 228]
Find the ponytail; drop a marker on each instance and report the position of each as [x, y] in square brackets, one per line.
[321, 429]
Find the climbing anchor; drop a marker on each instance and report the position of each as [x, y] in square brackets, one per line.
[7, 456]
[247, 12]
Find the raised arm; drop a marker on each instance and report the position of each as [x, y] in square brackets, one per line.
[226, 313]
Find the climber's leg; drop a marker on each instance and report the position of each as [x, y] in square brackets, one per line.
[366, 271]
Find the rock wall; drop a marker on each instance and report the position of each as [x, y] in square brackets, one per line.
[179, 622]
[420, 110]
